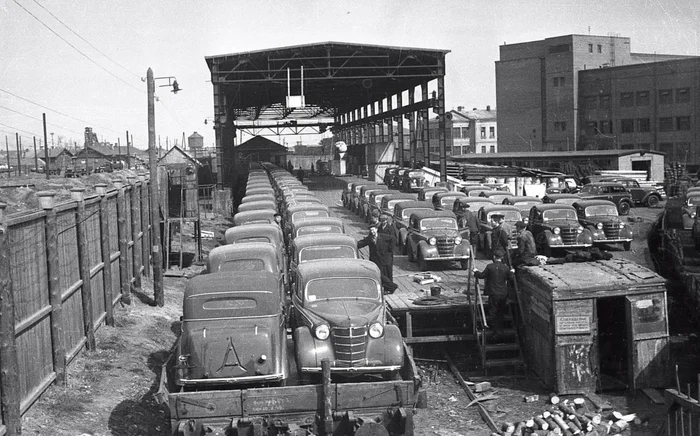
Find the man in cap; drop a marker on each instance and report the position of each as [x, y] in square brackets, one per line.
[500, 234]
[385, 225]
[381, 252]
[468, 220]
[498, 277]
[526, 246]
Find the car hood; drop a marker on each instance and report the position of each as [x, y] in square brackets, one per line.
[603, 219]
[347, 312]
[440, 233]
[562, 223]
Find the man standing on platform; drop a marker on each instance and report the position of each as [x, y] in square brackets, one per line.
[381, 252]
[500, 235]
[498, 277]
[525, 255]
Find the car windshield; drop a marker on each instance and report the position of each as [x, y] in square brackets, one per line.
[601, 210]
[447, 200]
[476, 205]
[241, 265]
[508, 215]
[309, 214]
[438, 223]
[406, 213]
[566, 200]
[326, 252]
[253, 239]
[336, 288]
[559, 214]
[477, 192]
[498, 198]
[591, 189]
[310, 230]
[391, 203]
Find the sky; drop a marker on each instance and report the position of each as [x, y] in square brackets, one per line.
[82, 62]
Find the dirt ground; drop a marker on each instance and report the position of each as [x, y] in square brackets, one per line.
[110, 390]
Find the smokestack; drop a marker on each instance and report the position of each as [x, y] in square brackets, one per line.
[488, 108]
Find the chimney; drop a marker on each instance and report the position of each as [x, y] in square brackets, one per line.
[474, 109]
[460, 108]
[488, 108]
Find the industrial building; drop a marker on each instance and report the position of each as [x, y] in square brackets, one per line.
[540, 102]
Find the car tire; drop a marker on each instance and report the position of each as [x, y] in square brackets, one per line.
[422, 263]
[627, 246]
[624, 208]
[653, 201]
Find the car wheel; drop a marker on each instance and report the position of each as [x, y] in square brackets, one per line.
[624, 208]
[627, 246]
[409, 252]
[652, 201]
[422, 263]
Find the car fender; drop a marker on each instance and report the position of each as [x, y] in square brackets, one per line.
[403, 234]
[596, 234]
[388, 349]
[426, 250]
[626, 233]
[309, 351]
[552, 239]
[585, 237]
[463, 249]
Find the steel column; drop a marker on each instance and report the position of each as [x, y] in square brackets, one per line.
[399, 126]
[381, 122]
[412, 128]
[441, 125]
[425, 126]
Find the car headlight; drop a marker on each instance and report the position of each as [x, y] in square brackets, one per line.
[579, 230]
[376, 330]
[599, 226]
[622, 225]
[322, 332]
[526, 220]
[432, 241]
[692, 214]
[458, 240]
[556, 230]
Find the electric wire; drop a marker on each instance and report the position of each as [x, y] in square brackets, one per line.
[76, 49]
[39, 119]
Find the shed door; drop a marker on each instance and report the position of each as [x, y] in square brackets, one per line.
[648, 344]
[575, 356]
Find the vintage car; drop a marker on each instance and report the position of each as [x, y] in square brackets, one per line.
[258, 185]
[257, 190]
[338, 313]
[372, 200]
[412, 181]
[293, 200]
[400, 218]
[614, 192]
[472, 204]
[474, 190]
[397, 181]
[524, 203]
[255, 233]
[601, 219]
[446, 200]
[434, 236]
[689, 209]
[257, 205]
[312, 226]
[300, 211]
[555, 226]
[232, 331]
[324, 246]
[355, 195]
[250, 198]
[426, 193]
[254, 217]
[511, 215]
[246, 256]
[391, 200]
[496, 196]
[563, 198]
[389, 174]
[641, 195]
[345, 195]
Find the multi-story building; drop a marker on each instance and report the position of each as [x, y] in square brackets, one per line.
[537, 88]
[467, 132]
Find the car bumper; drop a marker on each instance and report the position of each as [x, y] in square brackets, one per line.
[570, 245]
[352, 370]
[612, 241]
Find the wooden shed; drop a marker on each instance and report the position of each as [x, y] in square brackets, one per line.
[593, 326]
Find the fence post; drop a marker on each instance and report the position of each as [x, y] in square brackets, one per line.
[9, 370]
[77, 194]
[145, 226]
[135, 219]
[123, 244]
[53, 271]
[101, 189]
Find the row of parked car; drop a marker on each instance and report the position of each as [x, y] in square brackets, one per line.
[558, 220]
[279, 275]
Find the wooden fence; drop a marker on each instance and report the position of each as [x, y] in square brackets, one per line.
[62, 270]
[682, 414]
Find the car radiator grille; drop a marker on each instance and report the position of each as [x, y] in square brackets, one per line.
[612, 230]
[350, 344]
[568, 236]
[445, 246]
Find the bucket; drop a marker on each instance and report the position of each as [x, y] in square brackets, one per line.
[435, 291]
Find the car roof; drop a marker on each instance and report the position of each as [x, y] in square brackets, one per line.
[475, 200]
[499, 207]
[496, 192]
[399, 196]
[421, 214]
[328, 239]
[415, 204]
[317, 221]
[586, 203]
[333, 268]
[306, 206]
[450, 194]
[381, 191]
[252, 230]
[255, 248]
[605, 184]
[550, 206]
[255, 214]
[251, 281]
[562, 195]
[523, 198]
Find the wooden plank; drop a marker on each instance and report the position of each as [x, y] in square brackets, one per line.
[440, 338]
[84, 266]
[482, 410]
[135, 230]
[598, 402]
[654, 396]
[145, 225]
[123, 248]
[53, 272]
[107, 261]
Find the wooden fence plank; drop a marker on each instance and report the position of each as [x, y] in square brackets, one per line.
[145, 228]
[123, 248]
[84, 266]
[106, 259]
[59, 351]
[135, 230]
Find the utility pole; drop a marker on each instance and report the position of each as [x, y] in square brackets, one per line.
[128, 151]
[36, 158]
[19, 162]
[47, 166]
[156, 253]
[7, 150]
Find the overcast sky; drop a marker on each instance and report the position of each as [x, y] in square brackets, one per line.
[83, 66]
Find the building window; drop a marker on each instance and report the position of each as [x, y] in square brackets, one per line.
[483, 133]
[642, 98]
[683, 123]
[560, 126]
[591, 128]
[562, 81]
[492, 132]
[665, 96]
[456, 133]
[683, 95]
[667, 147]
[605, 127]
[591, 102]
[483, 149]
[600, 48]
[590, 48]
[492, 149]
[626, 99]
[605, 102]
[643, 125]
[665, 124]
[555, 82]
[627, 126]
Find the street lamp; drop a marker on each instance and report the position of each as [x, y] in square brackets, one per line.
[156, 250]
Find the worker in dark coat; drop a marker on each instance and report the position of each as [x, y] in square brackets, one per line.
[468, 220]
[381, 252]
[500, 235]
[498, 277]
[526, 252]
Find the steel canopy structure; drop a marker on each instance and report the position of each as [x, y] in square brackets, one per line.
[357, 90]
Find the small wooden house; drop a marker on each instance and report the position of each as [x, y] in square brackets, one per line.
[178, 182]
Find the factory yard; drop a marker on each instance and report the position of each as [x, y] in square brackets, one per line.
[112, 390]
